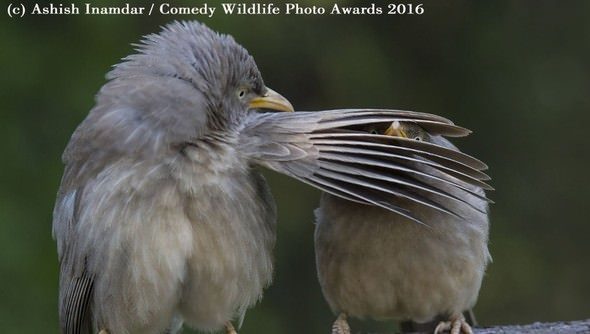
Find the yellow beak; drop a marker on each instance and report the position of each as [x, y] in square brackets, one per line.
[395, 130]
[271, 100]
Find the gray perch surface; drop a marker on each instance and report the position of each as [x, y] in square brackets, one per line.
[562, 327]
[581, 326]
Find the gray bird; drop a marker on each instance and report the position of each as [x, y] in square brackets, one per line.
[161, 218]
[373, 263]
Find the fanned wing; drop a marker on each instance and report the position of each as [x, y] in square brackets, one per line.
[327, 150]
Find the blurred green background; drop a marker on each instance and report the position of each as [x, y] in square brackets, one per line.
[515, 72]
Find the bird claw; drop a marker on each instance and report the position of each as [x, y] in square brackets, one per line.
[455, 325]
[229, 329]
[340, 326]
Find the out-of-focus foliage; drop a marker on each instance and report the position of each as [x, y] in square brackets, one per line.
[515, 72]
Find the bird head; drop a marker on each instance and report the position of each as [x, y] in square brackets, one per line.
[407, 130]
[185, 83]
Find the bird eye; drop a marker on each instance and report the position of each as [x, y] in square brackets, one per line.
[418, 138]
[241, 93]
[374, 132]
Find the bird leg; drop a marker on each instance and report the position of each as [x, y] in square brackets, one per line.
[229, 328]
[456, 325]
[340, 326]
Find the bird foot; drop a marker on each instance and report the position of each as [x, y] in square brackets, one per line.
[229, 329]
[340, 326]
[455, 325]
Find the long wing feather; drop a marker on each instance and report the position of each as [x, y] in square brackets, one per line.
[339, 114]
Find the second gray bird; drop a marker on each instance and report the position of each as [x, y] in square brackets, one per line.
[373, 263]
